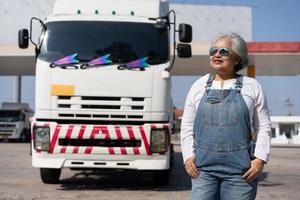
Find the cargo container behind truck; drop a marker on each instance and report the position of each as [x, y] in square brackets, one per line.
[103, 86]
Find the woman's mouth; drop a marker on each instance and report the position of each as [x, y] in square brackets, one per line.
[217, 61]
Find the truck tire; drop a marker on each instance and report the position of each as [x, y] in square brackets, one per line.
[49, 175]
[161, 177]
[25, 136]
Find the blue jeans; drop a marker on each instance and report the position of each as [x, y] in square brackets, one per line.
[217, 186]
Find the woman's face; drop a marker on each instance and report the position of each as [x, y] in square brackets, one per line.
[221, 61]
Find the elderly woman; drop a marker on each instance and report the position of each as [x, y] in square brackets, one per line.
[223, 111]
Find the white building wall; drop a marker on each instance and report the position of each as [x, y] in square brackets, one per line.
[282, 139]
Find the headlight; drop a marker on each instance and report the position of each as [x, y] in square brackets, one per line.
[159, 140]
[41, 138]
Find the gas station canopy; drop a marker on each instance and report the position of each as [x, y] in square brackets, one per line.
[268, 58]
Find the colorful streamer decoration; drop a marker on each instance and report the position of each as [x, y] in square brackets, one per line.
[100, 61]
[67, 60]
[139, 63]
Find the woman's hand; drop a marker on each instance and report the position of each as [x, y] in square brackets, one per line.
[191, 168]
[257, 166]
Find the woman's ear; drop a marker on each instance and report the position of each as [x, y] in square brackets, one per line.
[238, 61]
[237, 65]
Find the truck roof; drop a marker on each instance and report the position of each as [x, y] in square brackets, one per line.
[146, 8]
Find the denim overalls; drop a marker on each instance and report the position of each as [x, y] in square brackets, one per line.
[222, 133]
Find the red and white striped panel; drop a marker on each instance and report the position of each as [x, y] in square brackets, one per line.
[101, 132]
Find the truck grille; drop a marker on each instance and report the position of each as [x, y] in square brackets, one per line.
[7, 125]
[89, 107]
[6, 131]
[99, 143]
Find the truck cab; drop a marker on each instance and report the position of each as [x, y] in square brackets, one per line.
[103, 86]
[15, 121]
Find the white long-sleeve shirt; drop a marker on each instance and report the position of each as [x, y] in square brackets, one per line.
[256, 103]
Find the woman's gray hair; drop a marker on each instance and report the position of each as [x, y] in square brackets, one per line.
[239, 47]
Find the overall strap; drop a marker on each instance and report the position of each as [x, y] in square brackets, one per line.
[209, 81]
[239, 82]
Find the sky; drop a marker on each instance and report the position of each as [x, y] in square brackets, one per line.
[272, 21]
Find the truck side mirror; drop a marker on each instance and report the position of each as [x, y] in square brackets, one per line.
[184, 50]
[185, 33]
[23, 38]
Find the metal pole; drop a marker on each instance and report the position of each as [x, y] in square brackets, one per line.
[17, 83]
[251, 71]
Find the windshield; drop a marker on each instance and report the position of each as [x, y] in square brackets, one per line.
[10, 116]
[124, 41]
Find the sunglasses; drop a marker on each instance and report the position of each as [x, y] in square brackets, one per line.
[223, 51]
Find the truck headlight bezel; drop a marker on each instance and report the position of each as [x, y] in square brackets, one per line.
[159, 140]
[41, 138]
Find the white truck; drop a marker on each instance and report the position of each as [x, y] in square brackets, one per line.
[15, 121]
[103, 86]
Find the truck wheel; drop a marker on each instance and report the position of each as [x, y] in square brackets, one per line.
[161, 177]
[25, 136]
[49, 175]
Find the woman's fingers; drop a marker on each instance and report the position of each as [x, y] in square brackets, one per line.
[255, 170]
[191, 168]
[251, 175]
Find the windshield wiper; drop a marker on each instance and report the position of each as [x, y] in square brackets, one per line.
[100, 61]
[125, 66]
[66, 62]
[140, 64]
[68, 66]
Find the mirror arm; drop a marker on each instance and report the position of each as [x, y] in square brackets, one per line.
[174, 38]
[30, 35]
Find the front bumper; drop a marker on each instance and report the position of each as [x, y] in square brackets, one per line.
[102, 157]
